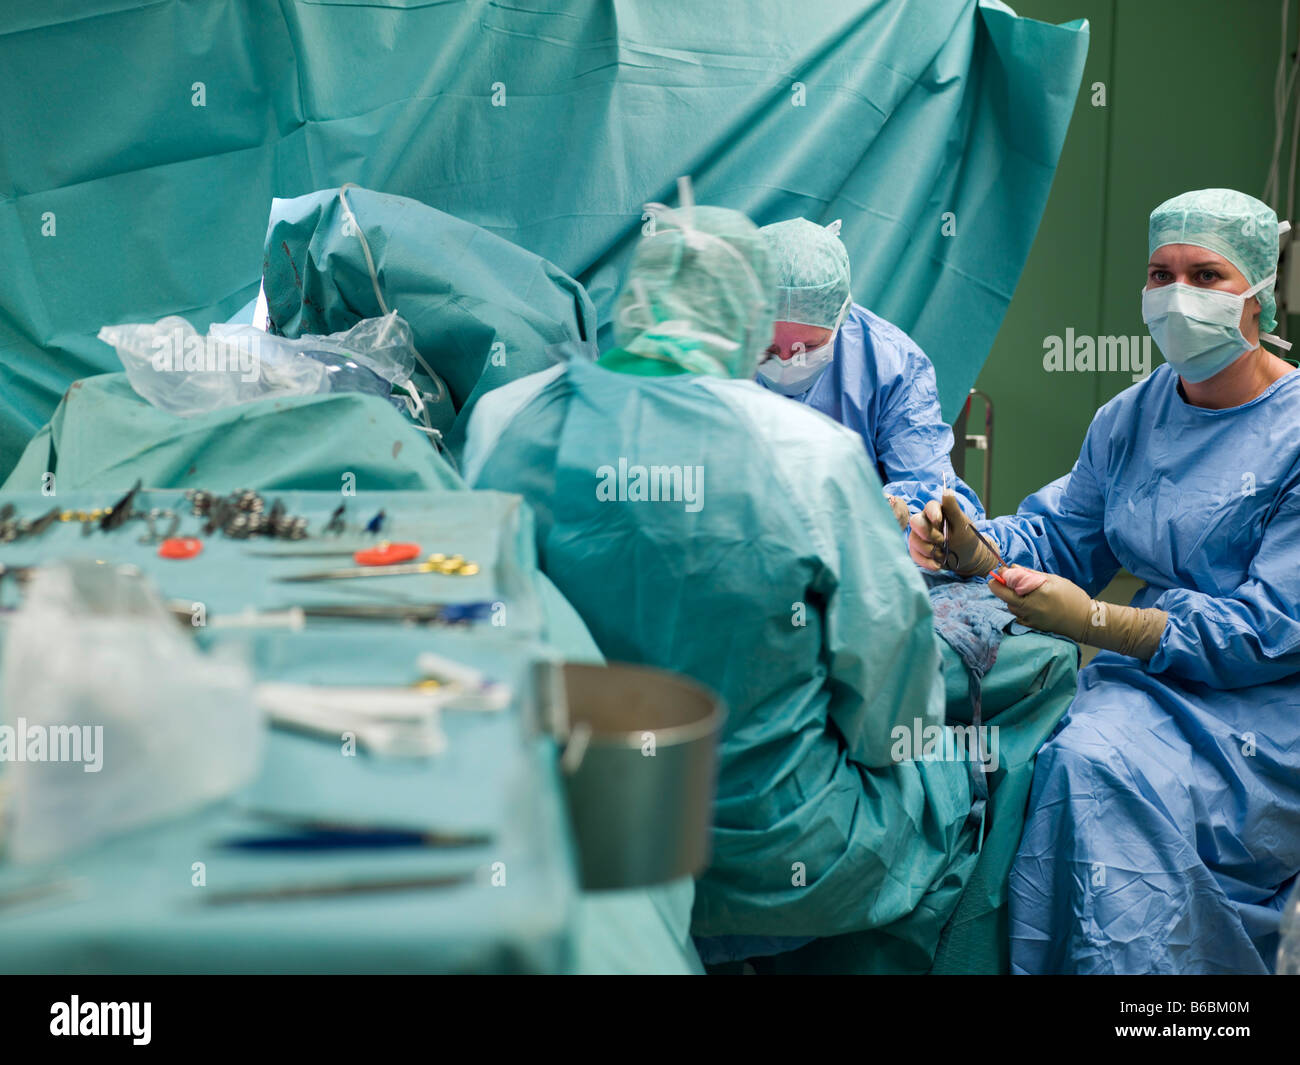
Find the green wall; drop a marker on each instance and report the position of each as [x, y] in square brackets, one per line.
[1189, 104]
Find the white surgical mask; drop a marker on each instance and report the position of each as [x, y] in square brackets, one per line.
[795, 375]
[1198, 330]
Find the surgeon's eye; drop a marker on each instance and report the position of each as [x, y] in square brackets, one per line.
[1159, 277]
[1208, 277]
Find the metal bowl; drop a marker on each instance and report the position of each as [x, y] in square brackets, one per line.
[640, 765]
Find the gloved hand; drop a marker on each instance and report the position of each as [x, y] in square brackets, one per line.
[901, 514]
[1050, 603]
[968, 555]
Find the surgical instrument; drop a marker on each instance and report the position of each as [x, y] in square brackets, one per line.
[154, 514]
[335, 524]
[243, 514]
[121, 511]
[416, 613]
[449, 565]
[382, 554]
[327, 837]
[950, 560]
[37, 527]
[331, 889]
[15, 528]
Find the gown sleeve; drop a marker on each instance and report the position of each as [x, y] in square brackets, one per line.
[1061, 528]
[1251, 636]
[913, 443]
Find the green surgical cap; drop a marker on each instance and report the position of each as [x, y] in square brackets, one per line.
[699, 293]
[812, 272]
[1242, 229]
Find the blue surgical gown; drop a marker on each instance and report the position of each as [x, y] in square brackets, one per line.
[882, 386]
[1164, 823]
[783, 587]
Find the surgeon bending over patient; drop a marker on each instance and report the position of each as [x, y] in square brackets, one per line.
[835, 356]
[783, 585]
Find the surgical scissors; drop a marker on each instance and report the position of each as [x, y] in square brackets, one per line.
[152, 536]
[450, 565]
[950, 559]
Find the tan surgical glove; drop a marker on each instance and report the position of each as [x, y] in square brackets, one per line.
[968, 555]
[901, 514]
[1054, 604]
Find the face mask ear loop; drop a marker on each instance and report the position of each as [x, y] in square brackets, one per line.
[1254, 290]
[844, 313]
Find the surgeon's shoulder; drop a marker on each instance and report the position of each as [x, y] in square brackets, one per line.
[896, 354]
[818, 465]
[1138, 399]
[496, 410]
[518, 392]
[785, 425]
[883, 330]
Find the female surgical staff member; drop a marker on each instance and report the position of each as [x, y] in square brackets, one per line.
[836, 357]
[1164, 823]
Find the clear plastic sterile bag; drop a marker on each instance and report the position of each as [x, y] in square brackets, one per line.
[188, 373]
[113, 716]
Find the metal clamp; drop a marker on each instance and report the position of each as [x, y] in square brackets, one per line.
[153, 536]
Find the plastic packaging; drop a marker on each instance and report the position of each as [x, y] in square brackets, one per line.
[113, 716]
[180, 370]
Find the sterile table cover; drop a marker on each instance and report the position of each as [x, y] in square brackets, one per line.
[129, 903]
[132, 905]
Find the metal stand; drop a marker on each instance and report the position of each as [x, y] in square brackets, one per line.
[963, 441]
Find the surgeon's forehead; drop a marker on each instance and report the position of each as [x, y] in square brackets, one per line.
[1186, 255]
[798, 329]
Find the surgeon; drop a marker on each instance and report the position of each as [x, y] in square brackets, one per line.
[837, 357]
[1164, 823]
[702, 524]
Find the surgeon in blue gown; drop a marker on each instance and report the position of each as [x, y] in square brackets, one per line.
[1164, 823]
[762, 560]
[837, 357]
